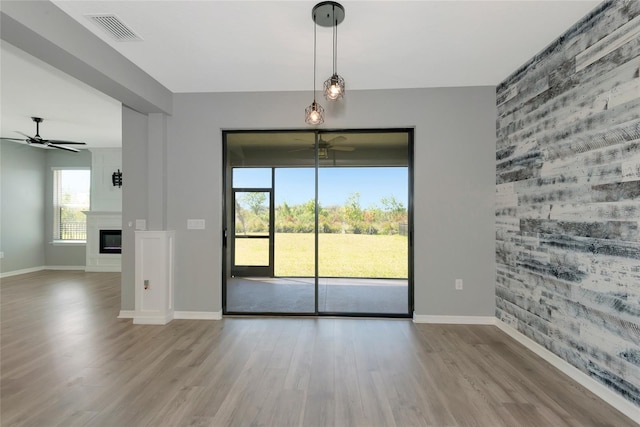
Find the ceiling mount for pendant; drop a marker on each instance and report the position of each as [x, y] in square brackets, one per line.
[328, 13]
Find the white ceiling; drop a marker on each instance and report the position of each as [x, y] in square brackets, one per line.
[223, 46]
[229, 46]
[71, 110]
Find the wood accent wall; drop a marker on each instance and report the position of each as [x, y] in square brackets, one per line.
[568, 197]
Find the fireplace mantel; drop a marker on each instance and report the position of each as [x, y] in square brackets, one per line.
[96, 221]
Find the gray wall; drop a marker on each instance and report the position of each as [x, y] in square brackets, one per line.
[568, 184]
[455, 138]
[75, 255]
[454, 185]
[134, 195]
[22, 187]
[27, 207]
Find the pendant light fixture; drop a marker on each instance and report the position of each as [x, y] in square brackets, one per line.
[314, 113]
[331, 13]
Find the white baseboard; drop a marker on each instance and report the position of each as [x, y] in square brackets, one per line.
[612, 398]
[47, 267]
[197, 315]
[454, 320]
[65, 267]
[179, 315]
[103, 269]
[126, 314]
[23, 271]
[148, 318]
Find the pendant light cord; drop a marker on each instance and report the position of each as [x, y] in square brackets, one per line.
[335, 39]
[314, 57]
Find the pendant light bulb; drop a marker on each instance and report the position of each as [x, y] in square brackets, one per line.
[314, 114]
[334, 87]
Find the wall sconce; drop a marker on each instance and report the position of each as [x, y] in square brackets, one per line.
[116, 179]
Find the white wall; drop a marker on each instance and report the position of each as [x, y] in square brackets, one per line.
[104, 196]
[454, 184]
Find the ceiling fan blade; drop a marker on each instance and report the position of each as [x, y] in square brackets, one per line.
[60, 141]
[337, 139]
[342, 148]
[12, 139]
[23, 134]
[62, 147]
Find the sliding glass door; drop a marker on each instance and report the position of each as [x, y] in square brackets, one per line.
[327, 228]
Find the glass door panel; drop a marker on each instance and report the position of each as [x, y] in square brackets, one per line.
[285, 163]
[320, 223]
[363, 246]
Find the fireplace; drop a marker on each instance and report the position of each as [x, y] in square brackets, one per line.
[110, 241]
[101, 260]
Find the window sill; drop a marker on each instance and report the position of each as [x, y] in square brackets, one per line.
[69, 243]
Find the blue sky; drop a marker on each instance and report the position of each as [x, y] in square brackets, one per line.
[296, 185]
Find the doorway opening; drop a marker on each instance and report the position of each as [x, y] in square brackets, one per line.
[318, 222]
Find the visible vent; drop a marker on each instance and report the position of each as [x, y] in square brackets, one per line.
[115, 27]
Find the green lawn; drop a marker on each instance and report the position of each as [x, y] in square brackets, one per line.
[340, 255]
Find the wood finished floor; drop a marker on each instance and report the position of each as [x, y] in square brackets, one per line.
[67, 361]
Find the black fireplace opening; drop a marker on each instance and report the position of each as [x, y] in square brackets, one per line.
[110, 241]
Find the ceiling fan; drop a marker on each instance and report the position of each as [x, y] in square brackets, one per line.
[325, 146]
[37, 139]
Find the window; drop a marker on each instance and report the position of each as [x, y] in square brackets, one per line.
[71, 196]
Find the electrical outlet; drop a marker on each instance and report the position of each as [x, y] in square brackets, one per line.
[458, 284]
[1, 255]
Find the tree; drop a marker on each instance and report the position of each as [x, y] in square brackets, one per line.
[240, 219]
[353, 212]
[393, 208]
[285, 210]
[305, 215]
[255, 201]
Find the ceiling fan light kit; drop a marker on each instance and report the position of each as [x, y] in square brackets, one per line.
[326, 14]
[38, 140]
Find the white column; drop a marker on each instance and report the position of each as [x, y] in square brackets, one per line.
[154, 277]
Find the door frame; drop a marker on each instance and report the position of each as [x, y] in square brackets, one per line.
[253, 270]
[226, 179]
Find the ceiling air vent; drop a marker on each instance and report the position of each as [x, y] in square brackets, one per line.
[114, 27]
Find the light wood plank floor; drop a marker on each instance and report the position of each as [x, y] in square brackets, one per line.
[67, 361]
